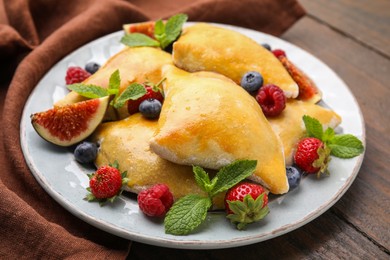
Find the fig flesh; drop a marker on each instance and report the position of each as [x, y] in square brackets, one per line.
[70, 124]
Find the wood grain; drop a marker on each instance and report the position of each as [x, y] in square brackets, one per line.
[325, 238]
[364, 21]
[366, 206]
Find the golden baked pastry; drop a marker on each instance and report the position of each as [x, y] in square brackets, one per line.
[134, 64]
[127, 141]
[204, 47]
[208, 120]
[290, 127]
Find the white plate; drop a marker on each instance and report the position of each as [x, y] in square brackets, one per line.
[65, 180]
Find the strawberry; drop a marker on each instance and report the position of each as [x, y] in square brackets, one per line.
[246, 203]
[312, 156]
[151, 92]
[106, 184]
[155, 201]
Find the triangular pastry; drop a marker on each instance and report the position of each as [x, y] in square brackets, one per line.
[290, 127]
[127, 141]
[204, 47]
[208, 120]
[134, 64]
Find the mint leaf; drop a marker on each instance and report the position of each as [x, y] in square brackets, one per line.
[328, 135]
[133, 92]
[138, 40]
[89, 91]
[345, 146]
[186, 214]
[114, 83]
[173, 28]
[313, 127]
[202, 179]
[159, 30]
[233, 173]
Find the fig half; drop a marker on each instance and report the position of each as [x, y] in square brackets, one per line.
[70, 124]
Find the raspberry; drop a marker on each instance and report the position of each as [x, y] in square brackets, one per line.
[278, 53]
[76, 75]
[133, 105]
[155, 201]
[271, 100]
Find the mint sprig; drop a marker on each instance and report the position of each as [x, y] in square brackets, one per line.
[190, 211]
[88, 91]
[133, 91]
[340, 145]
[165, 33]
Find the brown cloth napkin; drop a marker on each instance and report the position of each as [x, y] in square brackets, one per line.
[36, 34]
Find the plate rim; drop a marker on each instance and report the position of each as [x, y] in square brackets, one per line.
[191, 244]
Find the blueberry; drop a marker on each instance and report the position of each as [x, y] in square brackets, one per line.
[267, 46]
[85, 152]
[252, 81]
[150, 108]
[294, 176]
[92, 67]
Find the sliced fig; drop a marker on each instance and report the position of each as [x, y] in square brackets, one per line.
[308, 91]
[146, 28]
[70, 124]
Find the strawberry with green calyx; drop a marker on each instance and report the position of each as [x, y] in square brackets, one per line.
[190, 211]
[312, 156]
[106, 184]
[313, 152]
[246, 203]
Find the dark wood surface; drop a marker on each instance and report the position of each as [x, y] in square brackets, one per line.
[353, 38]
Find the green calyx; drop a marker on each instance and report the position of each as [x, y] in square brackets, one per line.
[323, 160]
[247, 211]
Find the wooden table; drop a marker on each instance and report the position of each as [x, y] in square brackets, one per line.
[353, 38]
